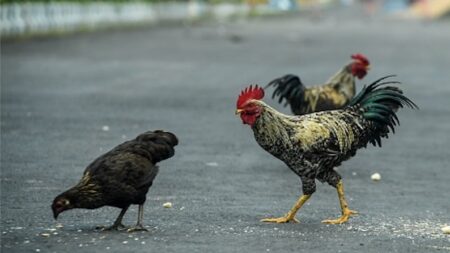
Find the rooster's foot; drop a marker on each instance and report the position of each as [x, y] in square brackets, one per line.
[284, 219]
[344, 218]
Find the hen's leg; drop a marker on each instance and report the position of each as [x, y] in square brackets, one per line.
[309, 186]
[139, 226]
[118, 223]
[346, 212]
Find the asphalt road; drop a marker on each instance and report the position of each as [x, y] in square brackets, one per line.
[60, 94]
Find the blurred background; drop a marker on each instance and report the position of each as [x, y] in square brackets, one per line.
[32, 17]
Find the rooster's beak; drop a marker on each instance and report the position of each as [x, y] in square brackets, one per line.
[239, 111]
[368, 67]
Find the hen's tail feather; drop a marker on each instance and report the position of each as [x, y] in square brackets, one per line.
[159, 144]
[289, 88]
[379, 105]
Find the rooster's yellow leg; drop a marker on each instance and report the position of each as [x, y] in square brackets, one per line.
[290, 216]
[346, 212]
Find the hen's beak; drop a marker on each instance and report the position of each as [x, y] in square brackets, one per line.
[239, 111]
[56, 212]
[368, 67]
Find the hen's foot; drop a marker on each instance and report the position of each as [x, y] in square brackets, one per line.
[283, 219]
[344, 218]
[115, 227]
[136, 228]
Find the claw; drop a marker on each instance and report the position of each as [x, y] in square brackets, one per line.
[137, 228]
[116, 227]
[283, 219]
[344, 218]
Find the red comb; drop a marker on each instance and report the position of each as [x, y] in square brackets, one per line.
[248, 94]
[361, 58]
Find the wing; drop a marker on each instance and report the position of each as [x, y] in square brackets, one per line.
[327, 133]
[321, 98]
[147, 180]
[126, 168]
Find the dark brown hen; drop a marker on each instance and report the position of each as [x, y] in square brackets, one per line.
[121, 177]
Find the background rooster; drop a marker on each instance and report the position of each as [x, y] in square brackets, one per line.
[312, 145]
[334, 94]
[120, 178]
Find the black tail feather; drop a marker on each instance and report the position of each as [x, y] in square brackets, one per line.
[289, 88]
[379, 105]
[159, 144]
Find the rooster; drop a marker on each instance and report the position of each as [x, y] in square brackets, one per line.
[120, 178]
[334, 94]
[312, 145]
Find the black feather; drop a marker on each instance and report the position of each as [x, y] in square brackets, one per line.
[379, 105]
[122, 176]
[289, 88]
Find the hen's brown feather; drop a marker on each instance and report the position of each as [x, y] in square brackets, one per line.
[122, 176]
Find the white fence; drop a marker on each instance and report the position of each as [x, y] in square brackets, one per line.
[18, 19]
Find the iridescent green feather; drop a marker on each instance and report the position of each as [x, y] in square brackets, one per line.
[379, 105]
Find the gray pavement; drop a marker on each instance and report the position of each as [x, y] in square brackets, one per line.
[59, 93]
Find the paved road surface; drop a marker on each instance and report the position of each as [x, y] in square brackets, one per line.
[59, 93]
